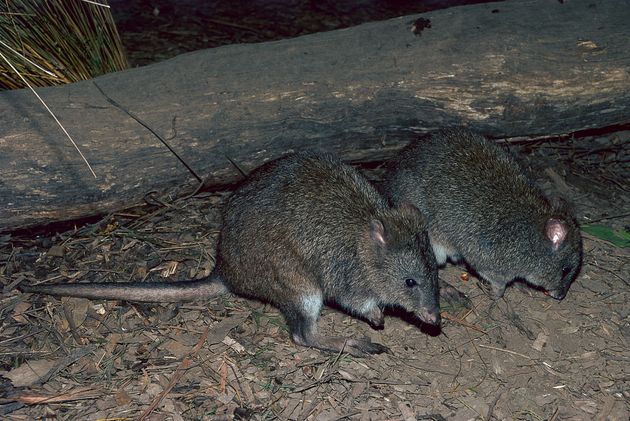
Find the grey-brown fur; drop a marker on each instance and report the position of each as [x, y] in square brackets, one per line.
[303, 230]
[482, 208]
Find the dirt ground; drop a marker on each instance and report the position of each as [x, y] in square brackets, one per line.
[525, 357]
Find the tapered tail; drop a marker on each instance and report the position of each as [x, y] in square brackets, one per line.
[152, 292]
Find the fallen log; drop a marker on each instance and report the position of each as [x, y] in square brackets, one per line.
[517, 68]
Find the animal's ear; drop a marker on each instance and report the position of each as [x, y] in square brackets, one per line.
[409, 209]
[556, 231]
[377, 232]
[411, 212]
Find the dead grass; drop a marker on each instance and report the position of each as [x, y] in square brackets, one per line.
[57, 42]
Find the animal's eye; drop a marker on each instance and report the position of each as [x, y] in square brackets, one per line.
[411, 282]
[565, 271]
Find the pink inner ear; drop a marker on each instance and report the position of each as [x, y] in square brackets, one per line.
[377, 232]
[556, 231]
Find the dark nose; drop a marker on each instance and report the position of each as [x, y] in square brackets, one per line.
[431, 316]
[558, 294]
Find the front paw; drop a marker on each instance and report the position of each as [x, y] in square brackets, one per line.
[375, 317]
[497, 284]
[498, 289]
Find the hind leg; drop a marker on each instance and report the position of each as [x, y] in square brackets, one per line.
[284, 280]
[302, 316]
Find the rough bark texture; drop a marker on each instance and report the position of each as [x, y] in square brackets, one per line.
[517, 68]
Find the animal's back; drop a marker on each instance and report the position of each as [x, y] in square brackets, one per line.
[481, 206]
[301, 212]
[462, 178]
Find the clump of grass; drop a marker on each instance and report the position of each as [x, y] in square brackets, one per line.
[52, 42]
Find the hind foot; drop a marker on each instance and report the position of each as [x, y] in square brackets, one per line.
[363, 347]
[302, 318]
[356, 347]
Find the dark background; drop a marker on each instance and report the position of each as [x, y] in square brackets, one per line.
[155, 30]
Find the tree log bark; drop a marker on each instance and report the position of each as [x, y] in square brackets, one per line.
[518, 68]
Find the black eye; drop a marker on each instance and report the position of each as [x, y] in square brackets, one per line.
[565, 271]
[411, 282]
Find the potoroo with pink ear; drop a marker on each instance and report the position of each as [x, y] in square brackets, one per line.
[483, 209]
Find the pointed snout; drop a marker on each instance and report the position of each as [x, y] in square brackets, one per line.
[430, 315]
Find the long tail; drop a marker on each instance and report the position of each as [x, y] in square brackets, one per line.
[152, 292]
